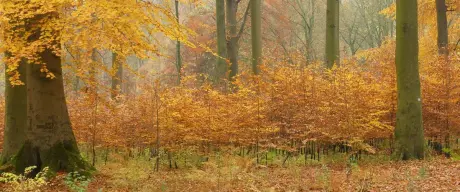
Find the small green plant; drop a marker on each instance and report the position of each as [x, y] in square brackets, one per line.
[77, 182]
[24, 183]
[422, 172]
[454, 156]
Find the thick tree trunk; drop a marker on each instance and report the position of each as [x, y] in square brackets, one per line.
[221, 67]
[48, 140]
[232, 43]
[117, 80]
[441, 10]
[332, 34]
[256, 35]
[409, 127]
[15, 115]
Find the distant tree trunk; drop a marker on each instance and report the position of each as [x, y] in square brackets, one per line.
[392, 28]
[117, 80]
[308, 25]
[332, 34]
[178, 56]
[443, 49]
[77, 84]
[409, 127]
[15, 115]
[309, 32]
[256, 35]
[77, 75]
[232, 43]
[221, 67]
[441, 10]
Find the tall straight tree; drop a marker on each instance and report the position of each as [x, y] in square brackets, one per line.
[15, 115]
[256, 35]
[48, 140]
[117, 80]
[332, 33]
[233, 34]
[232, 44]
[441, 13]
[178, 56]
[409, 127]
[221, 39]
[443, 48]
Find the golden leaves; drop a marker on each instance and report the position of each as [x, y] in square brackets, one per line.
[125, 27]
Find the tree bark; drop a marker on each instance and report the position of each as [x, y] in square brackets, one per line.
[48, 140]
[409, 127]
[117, 80]
[256, 35]
[221, 40]
[232, 43]
[15, 115]
[178, 56]
[332, 34]
[443, 36]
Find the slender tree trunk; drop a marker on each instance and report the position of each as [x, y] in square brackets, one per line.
[409, 127]
[332, 34]
[232, 43]
[441, 10]
[256, 35]
[117, 80]
[157, 125]
[443, 49]
[392, 28]
[77, 75]
[15, 114]
[178, 56]
[309, 25]
[221, 39]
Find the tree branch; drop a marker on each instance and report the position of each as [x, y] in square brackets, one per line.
[246, 13]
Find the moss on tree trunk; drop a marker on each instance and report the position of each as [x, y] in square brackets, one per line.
[61, 156]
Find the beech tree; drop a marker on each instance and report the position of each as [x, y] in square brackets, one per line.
[441, 13]
[15, 115]
[221, 39]
[233, 34]
[178, 56]
[332, 33]
[48, 140]
[117, 79]
[33, 35]
[409, 127]
[256, 35]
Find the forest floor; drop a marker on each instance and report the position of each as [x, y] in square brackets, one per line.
[241, 174]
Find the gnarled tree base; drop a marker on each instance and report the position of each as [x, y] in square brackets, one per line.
[63, 156]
